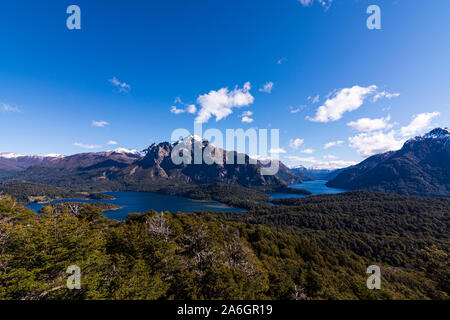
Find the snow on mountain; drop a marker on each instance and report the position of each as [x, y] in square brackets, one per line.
[53, 155]
[421, 167]
[10, 155]
[438, 134]
[13, 155]
[126, 151]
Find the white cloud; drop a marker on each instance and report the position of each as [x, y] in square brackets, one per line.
[296, 110]
[123, 86]
[189, 108]
[267, 88]
[368, 144]
[419, 123]
[366, 124]
[320, 164]
[307, 151]
[86, 146]
[9, 108]
[112, 142]
[192, 109]
[344, 100]
[333, 144]
[323, 3]
[247, 119]
[99, 124]
[175, 110]
[375, 141]
[384, 94]
[296, 143]
[277, 151]
[220, 103]
[329, 157]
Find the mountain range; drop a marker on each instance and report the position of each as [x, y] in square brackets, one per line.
[124, 169]
[317, 174]
[420, 167]
[10, 161]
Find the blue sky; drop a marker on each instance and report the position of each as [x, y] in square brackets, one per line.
[117, 79]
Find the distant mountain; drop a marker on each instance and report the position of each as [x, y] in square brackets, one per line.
[119, 158]
[290, 176]
[154, 168]
[157, 163]
[4, 174]
[317, 174]
[421, 167]
[10, 161]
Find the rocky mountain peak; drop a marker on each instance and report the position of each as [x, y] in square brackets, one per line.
[438, 134]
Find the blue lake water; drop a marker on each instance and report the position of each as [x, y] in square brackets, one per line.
[316, 187]
[145, 201]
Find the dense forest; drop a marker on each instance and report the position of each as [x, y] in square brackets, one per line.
[281, 252]
[402, 231]
[35, 192]
[75, 207]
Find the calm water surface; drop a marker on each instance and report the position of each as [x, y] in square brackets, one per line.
[316, 187]
[145, 201]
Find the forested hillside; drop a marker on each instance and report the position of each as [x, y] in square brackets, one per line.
[420, 167]
[35, 192]
[402, 231]
[187, 256]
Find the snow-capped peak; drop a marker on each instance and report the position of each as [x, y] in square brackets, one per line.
[193, 138]
[10, 155]
[13, 155]
[43, 156]
[190, 138]
[125, 151]
[441, 134]
[438, 133]
[54, 155]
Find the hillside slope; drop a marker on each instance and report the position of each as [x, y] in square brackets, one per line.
[129, 171]
[421, 167]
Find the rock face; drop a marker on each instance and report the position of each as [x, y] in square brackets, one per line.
[421, 167]
[158, 163]
[134, 170]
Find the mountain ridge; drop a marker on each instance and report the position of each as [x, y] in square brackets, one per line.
[140, 171]
[10, 161]
[420, 167]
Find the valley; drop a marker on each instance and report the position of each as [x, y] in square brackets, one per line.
[317, 247]
[265, 237]
[157, 153]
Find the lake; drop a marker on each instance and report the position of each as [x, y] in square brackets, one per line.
[316, 187]
[144, 201]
